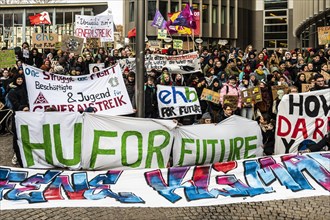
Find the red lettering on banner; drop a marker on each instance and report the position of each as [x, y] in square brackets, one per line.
[280, 121]
[318, 124]
[300, 127]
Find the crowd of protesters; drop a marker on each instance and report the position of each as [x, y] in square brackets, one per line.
[226, 71]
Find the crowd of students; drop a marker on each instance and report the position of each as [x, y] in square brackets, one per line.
[227, 72]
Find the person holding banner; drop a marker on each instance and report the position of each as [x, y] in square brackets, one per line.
[19, 101]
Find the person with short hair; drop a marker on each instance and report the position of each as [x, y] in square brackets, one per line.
[319, 83]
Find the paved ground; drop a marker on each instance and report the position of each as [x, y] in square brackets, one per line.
[304, 208]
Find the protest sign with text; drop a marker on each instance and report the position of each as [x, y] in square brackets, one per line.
[105, 91]
[43, 40]
[302, 119]
[210, 95]
[100, 26]
[210, 143]
[177, 101]
[244, 181]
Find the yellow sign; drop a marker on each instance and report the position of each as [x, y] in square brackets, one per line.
[7, 58]
[324, 35]
[177, 44]
[211, 96]
[162, 34]
[43, 40]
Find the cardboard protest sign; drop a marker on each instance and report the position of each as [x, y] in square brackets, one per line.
[72, 44]
[210, 143]
[105, 91]
[306, 87]
[7, 58]
[210, 95]
[231, 100]
[302, 120]
[275, 89]
[153, 44]
[177, 101]
[177, 44]
[44, 40]
[323, 35]
[93, 43]
[162, 34]
[242, 181]
[100, 26]
[251, 95]
[325, 75]
[309, 75]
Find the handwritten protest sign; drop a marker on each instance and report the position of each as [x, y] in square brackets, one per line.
[251, 95]
[177, 44]
[323, 35]
[325, 75]
[100, 26]
[210, 95]
[154, 44]
[250, 180]
[105, 91]
[162, 34]
[302, 120]
[7, 58]
[306, 87]
[231, 100]
[184, 64]
[309, 75]
[275, 89]
[93, 43]
[44, 40]
[177, 101]
[72, 44]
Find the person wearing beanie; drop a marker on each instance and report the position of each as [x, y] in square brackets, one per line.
[206, 118]
[253, 79]
[260, 73]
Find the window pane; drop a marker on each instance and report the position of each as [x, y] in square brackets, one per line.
[163, 8]
[174, 7]
[18, 18]
[1, 18]
[214, 14]
[275, 21]
[279, 4]
[131, 11]
[275, 13]
[270, 43]
[223, 14]
[276, 28]
[282, 43]
[8, 20]
[231, 15]
[151, 10]
[276, 36]
[59, 18]
[68, 17]
[205, 13]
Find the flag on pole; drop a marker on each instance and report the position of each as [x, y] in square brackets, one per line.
[183, 18]
[159, 21]
[41, 18]
[131, 33]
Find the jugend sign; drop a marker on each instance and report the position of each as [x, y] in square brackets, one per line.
[176, 101]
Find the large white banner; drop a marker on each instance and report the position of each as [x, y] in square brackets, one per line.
[112, 142]
[303, 119]
[105, 91]
[184, 64]
[210, 143]
[90, 141]
[49, 139]
[177, 101]
[100, 26]
[252, 180]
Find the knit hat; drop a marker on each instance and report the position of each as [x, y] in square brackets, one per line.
[274, 69]
[206, 115]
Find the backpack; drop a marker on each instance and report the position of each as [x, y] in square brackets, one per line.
[7, 101]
